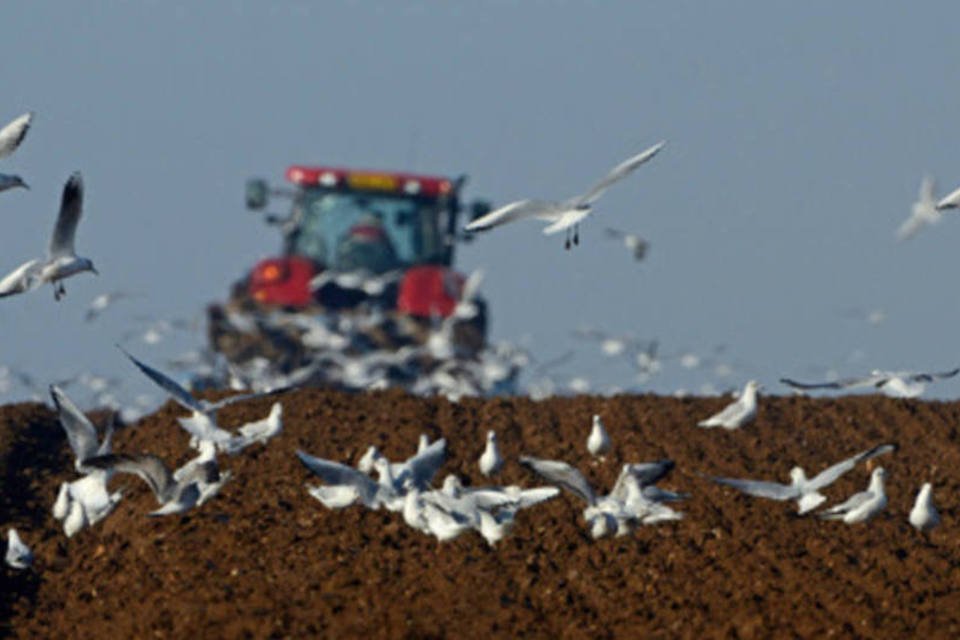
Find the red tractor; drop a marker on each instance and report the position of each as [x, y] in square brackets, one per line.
[355, 244]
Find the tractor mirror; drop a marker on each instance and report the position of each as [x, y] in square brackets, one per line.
[257, 194]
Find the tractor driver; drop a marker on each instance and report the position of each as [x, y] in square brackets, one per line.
[367, 246]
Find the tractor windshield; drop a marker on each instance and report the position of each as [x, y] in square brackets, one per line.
[350, 231]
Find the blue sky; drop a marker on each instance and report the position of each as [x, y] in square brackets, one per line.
[797, 135]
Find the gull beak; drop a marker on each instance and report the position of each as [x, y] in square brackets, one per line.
[24, 185]
[94, 269]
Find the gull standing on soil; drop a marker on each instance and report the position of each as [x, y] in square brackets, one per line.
[598, 442]
[490, 461]
[61, 261]
[895, 384]
[805, 491]
[862, 506]
[565, 215]
[923, 212]
[10, 138]
[924, 515]
[739, 413]
[19, 555]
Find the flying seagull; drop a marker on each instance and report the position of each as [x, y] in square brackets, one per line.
[567, 214]
[201, 424]
[61, 261]
[896, 384]
[10, 138]
[923, 212]
[636, 245]
[175, 494]
[627, 504]
[806, 491]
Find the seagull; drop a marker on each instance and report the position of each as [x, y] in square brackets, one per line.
[636, 245]
[622, 508]
[924, 515]
[924, 211]
[862, 506]
[99, 304]
[61, 261]
[896, 384]
[10, 138]
[174, 496]
[201, 424]
[490, 461]
[85, 501]
[565, 215]
[258, 431]
[805, 491]
[739, 413]
[18, 554]
[598, 442]
[345, 485]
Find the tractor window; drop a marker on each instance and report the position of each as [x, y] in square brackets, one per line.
[351, 231]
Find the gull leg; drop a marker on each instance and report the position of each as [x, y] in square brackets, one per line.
[59, 291]
[576, 234]
[566, 244]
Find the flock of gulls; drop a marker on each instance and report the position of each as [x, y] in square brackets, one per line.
[406, 487]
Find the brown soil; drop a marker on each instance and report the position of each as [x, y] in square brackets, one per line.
[264, 559]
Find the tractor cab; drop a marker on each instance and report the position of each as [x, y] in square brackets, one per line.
[354, 235]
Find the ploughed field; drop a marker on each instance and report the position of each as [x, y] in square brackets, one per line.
[265, 559]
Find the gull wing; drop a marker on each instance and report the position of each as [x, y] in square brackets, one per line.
[910, 227]
[875, 379]
[13, 134]
[618, 173]
[22, 279]
[71, 207]
[644, 473]
[335, 473]
[149, 467]
[648, 473]
[219, 404]
[562, 475]
[927, 188]
[174, 390]
[728, 413]
[847, 505]
[81, 433]
[930, 377]
[542, 209]
[425, 464]
[830, 475]
[950, 201]
[759, 488]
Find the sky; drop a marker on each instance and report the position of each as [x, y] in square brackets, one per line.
[797, 135]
